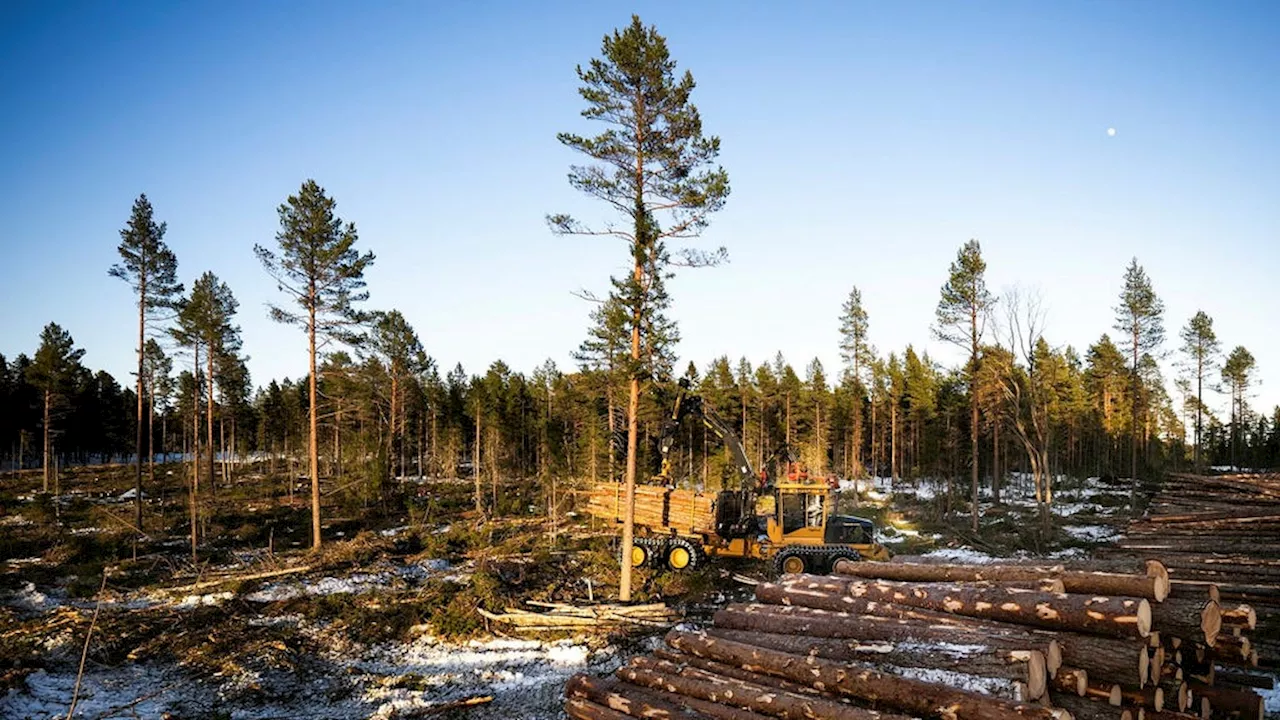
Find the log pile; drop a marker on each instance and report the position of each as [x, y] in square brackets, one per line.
[657, 507]
[1219, 534]
[960, 642]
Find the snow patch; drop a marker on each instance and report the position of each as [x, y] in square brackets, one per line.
[1092, 533]
[962, 555]
[210, 600]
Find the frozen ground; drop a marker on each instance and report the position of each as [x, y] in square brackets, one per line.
[525, 678]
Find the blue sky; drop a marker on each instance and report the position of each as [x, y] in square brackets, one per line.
[865, 143]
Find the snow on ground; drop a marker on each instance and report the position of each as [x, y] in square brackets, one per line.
[354, 584]
[525, 678]
[962, 555]
[29, 598]
[1092, 533]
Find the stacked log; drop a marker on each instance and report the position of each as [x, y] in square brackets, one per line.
[930, 640]
[1219, 535]
[657, 507]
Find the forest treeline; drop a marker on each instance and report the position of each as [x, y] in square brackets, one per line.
[373, 406]
[387, 411]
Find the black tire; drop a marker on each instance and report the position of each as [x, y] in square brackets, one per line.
[681, 555]
[644, 552]
[791, 562]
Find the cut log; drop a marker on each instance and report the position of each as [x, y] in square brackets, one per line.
[1148, 697]
[1241, 678]
[1073, 581]
[1085, 708]
[905, 694]
[705, 707]
[579, 709]
[1120, 661]
[749, 696]
[1199, 620]
[1025, 665]
[1240, 616]
[1248, 704]
[1070, 680]
[604, 691]
[1114, 616]
[678, 663]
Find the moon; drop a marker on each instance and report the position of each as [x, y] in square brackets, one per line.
[1111, 132]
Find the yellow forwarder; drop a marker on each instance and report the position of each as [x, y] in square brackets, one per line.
[791, 522]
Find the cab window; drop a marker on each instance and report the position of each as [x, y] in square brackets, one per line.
[801, 511]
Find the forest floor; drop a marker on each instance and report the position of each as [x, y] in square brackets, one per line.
[382, 622]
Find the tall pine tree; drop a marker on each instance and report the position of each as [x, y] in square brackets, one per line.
[655, 167]
[961, 318]
[53, 373]
[1237, 373]
[319, 268]
[1200, 346]
[151, 269]
[856, 353]
[1139, 316]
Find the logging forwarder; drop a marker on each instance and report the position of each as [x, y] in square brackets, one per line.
[790, 522]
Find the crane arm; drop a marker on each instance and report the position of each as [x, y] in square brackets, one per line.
[689, 402]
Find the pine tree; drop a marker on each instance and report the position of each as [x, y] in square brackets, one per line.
[1200, 346]
[1140, 317]
[320, 269]
[1237, 374]
[157, 372]
[961, 317]
[398, 346]
[205, 321]
[653, 164]
[856, 353]
[53, 372]
[150, 268]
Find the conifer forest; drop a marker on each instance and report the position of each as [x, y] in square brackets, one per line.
[1045, 528]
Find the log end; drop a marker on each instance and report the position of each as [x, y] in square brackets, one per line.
[1146, 673]
[1037, 676]
[1144, 618]
[1053, 657]
[1158, 659]
[1157, 699]
[1116, 696]
[1206, 708]
[1211, 622]
[1184, 697]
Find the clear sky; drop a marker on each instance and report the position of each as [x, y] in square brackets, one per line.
[865, 142]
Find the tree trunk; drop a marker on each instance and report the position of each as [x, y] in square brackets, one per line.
[1074, 581]
[313, 445]
[142, 326]
[703, 685]
[973, 418]
[995, 461]
[1024, 665]
[904, 694]
[209, 449]
[1114, 616]
[195, 450]
[609, 693]
[475, 465]
[46, 463]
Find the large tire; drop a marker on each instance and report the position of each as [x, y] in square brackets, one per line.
[791, 562]
[641, 554]
[681, 555]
